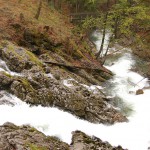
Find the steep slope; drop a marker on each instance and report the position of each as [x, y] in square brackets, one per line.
[27, 43]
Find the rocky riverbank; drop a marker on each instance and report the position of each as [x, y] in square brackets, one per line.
[28, 138]
[71, 81]
[41, 84]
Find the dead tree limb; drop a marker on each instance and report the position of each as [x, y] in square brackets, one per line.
[79, 67]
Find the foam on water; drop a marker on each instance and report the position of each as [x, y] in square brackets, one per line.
[67, 82]
[93, 88]
[51, 121]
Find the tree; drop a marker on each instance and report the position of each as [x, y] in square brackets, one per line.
[83, 5]
[39, 10]
[104, 30]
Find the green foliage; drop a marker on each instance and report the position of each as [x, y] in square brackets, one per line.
[84, 5]
[129, 17]
[90, 23]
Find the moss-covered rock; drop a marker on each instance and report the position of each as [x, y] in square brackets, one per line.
[18, 58]
[23, 89]
[26, 137]
[81, 141]
[5, 80]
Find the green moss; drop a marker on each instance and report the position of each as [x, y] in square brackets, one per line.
[26, 84]
[32, 129]
[11, 49]
[55, 138]
[25, 54]
[3, 44]
[35, 147]
[8, 75]
[34, 59]
[87, 140]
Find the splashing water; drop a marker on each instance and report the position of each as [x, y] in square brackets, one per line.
[4, 67]
[99, 37]
[133, 135]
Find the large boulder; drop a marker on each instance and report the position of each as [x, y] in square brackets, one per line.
[23, 89]
[139, 92]
[26, 137]
[81, 141]
[17, 58]
[5, 80]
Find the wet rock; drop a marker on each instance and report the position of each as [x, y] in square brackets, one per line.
[5, 80]
[18, 58]
[39, 89]
[4, 101]
[35, 87]
[45, 97]
[139, 92]
[81, 141]
[26, 137]
[57, 76]
[21, 88]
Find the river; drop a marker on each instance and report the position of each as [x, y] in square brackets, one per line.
[134, 135]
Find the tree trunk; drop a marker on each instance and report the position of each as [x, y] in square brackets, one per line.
[107, 50]
[39, 10]
[103, 38]
[70, 67]
[76, 7]
[104, 31]
[116, 28]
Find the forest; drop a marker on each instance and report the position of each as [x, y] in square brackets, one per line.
[128, 19]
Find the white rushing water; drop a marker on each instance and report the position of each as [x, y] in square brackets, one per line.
[91, 88]
[4, 68]
[98, 41]
[134, 135]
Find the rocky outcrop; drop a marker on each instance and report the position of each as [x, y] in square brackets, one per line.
[17, 58]
[5, 80]
[35, 86]
[81, 141]
[28, 138]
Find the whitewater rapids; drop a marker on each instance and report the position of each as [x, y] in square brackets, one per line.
[134, 135]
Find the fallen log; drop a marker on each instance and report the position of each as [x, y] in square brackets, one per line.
[79, 67]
